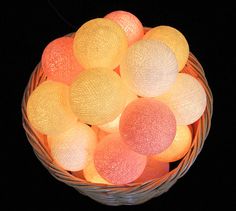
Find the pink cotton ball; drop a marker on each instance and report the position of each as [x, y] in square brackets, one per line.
[154, 169]
[116, 163]
[147, 126]
[129, 23]
[58, 61]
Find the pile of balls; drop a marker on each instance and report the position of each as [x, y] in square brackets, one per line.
[115, 106]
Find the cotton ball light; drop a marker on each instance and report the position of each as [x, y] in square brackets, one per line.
[91, 174]
[129, 23]
[154, 169]
[100, 43]
[149, 68]
[113, 126]
[174, 39]
[147, 126]
[59, 62]
[97, 96]
[73, 149]
[48, 108]
[116, 163]
[186, 98]
[179, 146]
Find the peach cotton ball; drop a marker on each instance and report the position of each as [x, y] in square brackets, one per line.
[97, 96]
[174, 39]
[73, 149]
[179, 146]
[186, 98]
[149, 68]
[147, 126]
[116, 163]
[100, 42]
[113, 126]
[48, 108]
[129, 23]
[59, 62]
[154, 169]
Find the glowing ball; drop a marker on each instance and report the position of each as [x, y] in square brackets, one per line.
[91, 174]
[116, 163]
[113, 126]
[100, 43]
[48, 108]
[149, 68]
[59, 62]
[73, 149]
[179, 146]
[97, 96]
[154, 169]
[129, 23]
[147, 126]
[186, 98]
[174, 40]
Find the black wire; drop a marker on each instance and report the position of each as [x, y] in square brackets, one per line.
[61, 16]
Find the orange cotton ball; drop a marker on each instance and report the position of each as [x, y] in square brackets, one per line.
[97, 96]
[91, 174]
[147, 126]
[129, 23]
[174, 39]
[48, 108]
[100, 43]
[59, 62]
[179, 146]
[154, 169]
[116, 163]
[186, 98]
[73, 149]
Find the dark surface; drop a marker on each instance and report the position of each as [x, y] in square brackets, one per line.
[28, 27]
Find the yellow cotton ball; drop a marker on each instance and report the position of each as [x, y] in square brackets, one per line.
[174, 40]
[149, 68]
[179, 146]
[97, 96]
[100, 43]
[91, 174]
[186, 98]
[73, 149]
[48, 108]
[113, 126]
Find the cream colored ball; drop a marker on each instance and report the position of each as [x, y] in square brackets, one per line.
[186, 98]
[149, 68]
[73, 149]
[97, 96]
[100, 43]
[48, 108]
[174, 39]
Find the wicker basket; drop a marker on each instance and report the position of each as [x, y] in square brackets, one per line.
[133, 193]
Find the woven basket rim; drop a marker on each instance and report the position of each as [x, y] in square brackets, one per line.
[113, 192]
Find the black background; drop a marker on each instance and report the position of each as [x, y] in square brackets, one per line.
[27, 27]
